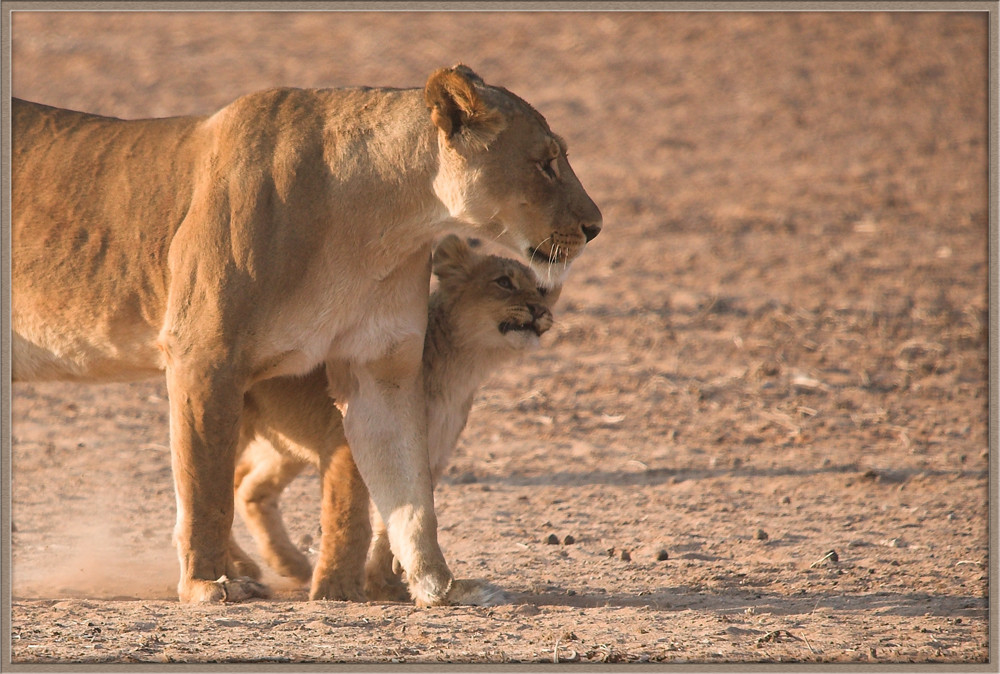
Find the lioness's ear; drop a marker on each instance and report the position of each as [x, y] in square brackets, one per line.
[459, 110]
[453, 259]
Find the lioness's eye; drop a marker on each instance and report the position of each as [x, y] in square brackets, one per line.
[504, 282]
[542, 290]
[548, 167]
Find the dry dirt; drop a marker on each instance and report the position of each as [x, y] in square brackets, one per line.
[777, 349]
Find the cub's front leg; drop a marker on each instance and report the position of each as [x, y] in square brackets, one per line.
[344, 519]
[298, 422]
[382, 580]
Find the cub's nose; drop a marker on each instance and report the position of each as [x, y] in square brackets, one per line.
[591, 231]
[537, 311]
[541, 318]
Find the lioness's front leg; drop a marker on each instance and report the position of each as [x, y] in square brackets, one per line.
[386, 426]
[386, 429]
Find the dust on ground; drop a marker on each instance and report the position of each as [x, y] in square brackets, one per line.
[758, 432]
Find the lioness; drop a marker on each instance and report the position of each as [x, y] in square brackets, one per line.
[290, 229]
[485, 310]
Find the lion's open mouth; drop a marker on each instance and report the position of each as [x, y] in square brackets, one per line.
[511, 326]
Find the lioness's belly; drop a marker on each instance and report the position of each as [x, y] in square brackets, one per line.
[100, 326]
[82, 359]
[62, 334]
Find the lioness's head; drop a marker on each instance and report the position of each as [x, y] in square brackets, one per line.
[492, 302]
[503, 170]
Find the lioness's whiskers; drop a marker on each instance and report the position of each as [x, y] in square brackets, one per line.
[535, 250]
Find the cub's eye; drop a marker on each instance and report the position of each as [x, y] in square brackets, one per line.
[542, 290]
[504, 282]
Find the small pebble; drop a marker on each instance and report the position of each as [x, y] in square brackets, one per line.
[761, 535]
[625, 556]
[552, 540]
[569, 540]
[662, 556]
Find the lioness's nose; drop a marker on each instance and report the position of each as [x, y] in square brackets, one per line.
[591, 231]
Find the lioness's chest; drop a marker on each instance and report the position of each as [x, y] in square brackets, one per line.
[353, 317]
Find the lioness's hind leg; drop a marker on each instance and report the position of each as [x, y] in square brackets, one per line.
[204, 418]
[261, 476]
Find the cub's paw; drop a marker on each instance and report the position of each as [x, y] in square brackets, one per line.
[224, 589]
[337, 587]
[474, 592]
[380, 588]
[297, 568]
[239, 563]
[243, 567]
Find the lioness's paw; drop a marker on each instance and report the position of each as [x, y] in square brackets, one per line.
[442, 590]
[223, 589]
[243, 588]
[474, 592]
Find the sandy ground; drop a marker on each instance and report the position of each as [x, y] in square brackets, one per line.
[776, 350]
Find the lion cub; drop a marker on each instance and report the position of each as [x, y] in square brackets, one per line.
[485, 311]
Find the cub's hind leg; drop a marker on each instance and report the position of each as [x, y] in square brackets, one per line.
[299, 419]
[261, 476]
[240, 564]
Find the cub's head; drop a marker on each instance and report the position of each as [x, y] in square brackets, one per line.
[490, 302]
[503, 170]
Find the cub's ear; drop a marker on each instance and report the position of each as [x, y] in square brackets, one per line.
[459, 110]
[453, 259]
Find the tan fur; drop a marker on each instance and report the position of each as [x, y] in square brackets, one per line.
[473, 318]
[289, 230]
